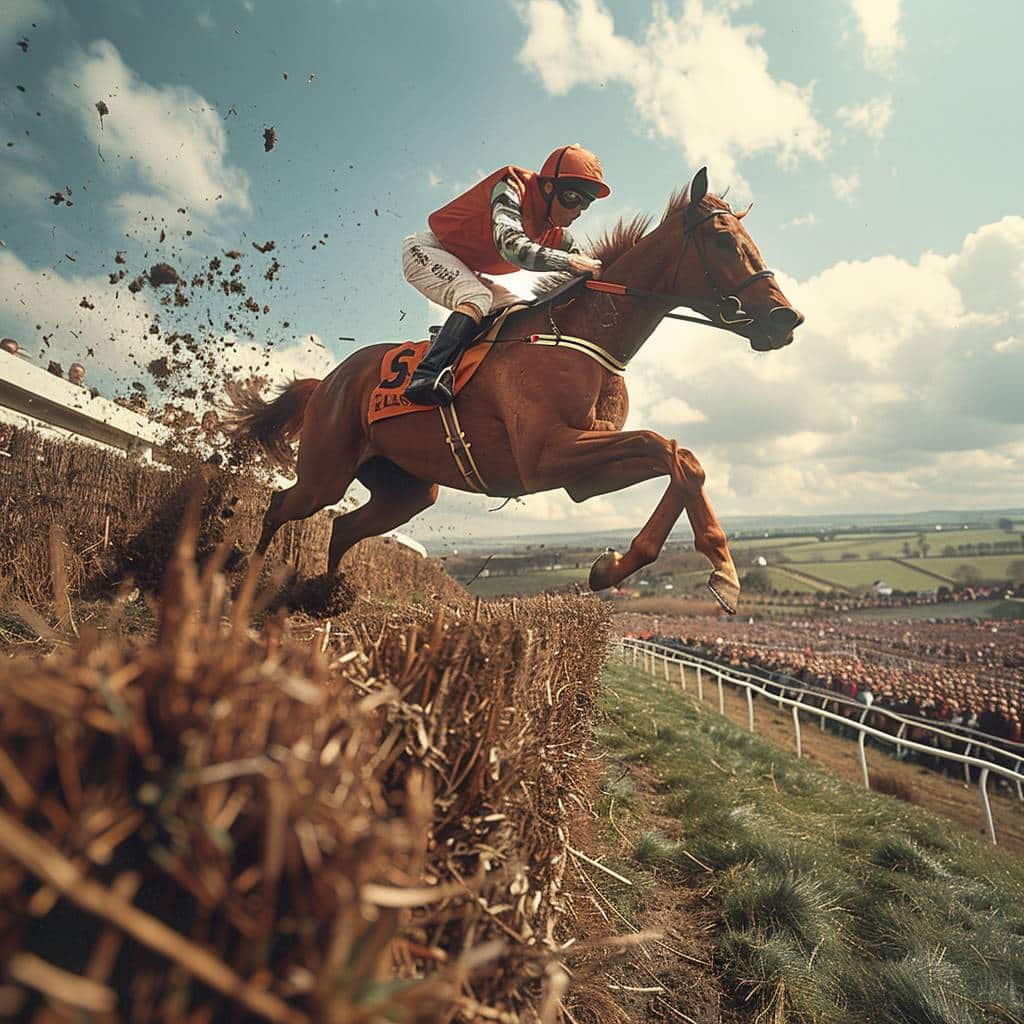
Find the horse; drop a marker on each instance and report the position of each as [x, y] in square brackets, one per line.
[537, 417]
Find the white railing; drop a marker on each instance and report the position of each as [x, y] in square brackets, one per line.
[33, 399]
[650, 656]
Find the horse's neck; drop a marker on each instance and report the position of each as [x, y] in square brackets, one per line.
[620, 324]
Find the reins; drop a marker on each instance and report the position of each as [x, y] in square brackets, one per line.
[737, 314]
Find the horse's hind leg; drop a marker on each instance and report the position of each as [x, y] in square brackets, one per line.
[323, 479]
[395, 497]
[299, 501]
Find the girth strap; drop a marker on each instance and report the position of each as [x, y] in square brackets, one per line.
[460, 448]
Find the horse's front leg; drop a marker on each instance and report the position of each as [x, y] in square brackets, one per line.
[599, 463]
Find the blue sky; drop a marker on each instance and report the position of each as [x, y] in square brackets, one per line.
[875, 136]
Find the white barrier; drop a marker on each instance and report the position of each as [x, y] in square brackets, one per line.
[648, 654]
[34, 399]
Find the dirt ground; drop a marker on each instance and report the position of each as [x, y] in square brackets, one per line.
[943, 794]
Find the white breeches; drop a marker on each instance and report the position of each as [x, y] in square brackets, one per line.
[446, 280]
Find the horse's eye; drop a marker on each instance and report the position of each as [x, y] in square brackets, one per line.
[724, 240]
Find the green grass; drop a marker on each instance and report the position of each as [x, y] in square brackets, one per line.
[991, 568]
[862, 572]
[836, 906]
[528, 583]
[782, 580]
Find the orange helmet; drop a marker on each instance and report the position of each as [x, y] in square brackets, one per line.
[576, 162]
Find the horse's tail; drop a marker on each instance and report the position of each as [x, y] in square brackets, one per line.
[272, 425]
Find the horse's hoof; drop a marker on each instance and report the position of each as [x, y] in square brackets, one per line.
[602, 572]
[724, 590]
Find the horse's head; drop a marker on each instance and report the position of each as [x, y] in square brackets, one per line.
[720, 267]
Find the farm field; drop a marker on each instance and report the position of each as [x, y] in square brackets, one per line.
[783, 580]
[528, 583]
[891, 545]
[864, 572]
[991, 568]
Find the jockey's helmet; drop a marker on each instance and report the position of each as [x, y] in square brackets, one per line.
[576, 167]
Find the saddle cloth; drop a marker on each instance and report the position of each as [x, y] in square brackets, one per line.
[400, 362]
[396, 370]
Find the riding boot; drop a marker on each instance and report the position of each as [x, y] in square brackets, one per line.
[433, 383]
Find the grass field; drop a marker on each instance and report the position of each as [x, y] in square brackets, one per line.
[864, 572]
[875, 553]
[782, 580]
[527, 583]
[833, 905]
[991, 568]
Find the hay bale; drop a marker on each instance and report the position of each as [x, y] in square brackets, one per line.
[121, 519]
[223, 823]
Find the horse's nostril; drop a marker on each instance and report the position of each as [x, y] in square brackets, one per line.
[785, 318]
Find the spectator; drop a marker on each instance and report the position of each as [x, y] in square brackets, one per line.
[55, 368]
[9, 345]
[6, 438]
[76, 374]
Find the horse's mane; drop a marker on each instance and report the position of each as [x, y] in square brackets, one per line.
[620, 238]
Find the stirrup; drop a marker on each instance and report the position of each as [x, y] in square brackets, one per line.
[440, 391]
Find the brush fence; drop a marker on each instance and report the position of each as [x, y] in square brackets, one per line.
[659, 660]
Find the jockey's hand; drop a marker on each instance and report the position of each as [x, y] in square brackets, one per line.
[581, 264]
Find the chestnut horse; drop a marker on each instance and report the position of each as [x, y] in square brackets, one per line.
[539, 418]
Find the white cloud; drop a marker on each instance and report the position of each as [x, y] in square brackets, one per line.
[16, 18]
[673, 411]
[879, 24]
[433, 180]
[845, 188]
[698, 80]
[205, 19]
[806, 219]
[166, 137]
[871, 117]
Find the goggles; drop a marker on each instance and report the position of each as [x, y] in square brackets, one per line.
[573, 198]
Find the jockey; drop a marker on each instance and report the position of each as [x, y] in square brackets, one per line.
[512, 220]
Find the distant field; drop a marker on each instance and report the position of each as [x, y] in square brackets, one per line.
[866, 571]
[891, 545]
[527, 583]
[875, 553]
[993, 568]
[782, 580]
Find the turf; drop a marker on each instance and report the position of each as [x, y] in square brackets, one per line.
[834, 905]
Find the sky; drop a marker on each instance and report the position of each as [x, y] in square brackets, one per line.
[876, 138]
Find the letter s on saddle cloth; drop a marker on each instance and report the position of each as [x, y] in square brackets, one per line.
[396, 370]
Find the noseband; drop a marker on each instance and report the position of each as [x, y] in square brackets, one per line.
[729, 307]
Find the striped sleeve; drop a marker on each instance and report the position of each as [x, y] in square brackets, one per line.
[511, 241]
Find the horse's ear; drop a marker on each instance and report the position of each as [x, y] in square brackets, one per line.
[699, 186]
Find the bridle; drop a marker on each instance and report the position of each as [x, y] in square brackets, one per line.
[728, 307]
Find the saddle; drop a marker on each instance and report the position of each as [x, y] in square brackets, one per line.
[388, 399]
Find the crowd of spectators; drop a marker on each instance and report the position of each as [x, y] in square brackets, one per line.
[958, 673]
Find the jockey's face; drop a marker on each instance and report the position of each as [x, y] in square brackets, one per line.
[562, 216]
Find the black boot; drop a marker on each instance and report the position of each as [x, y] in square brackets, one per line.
[433, 383]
